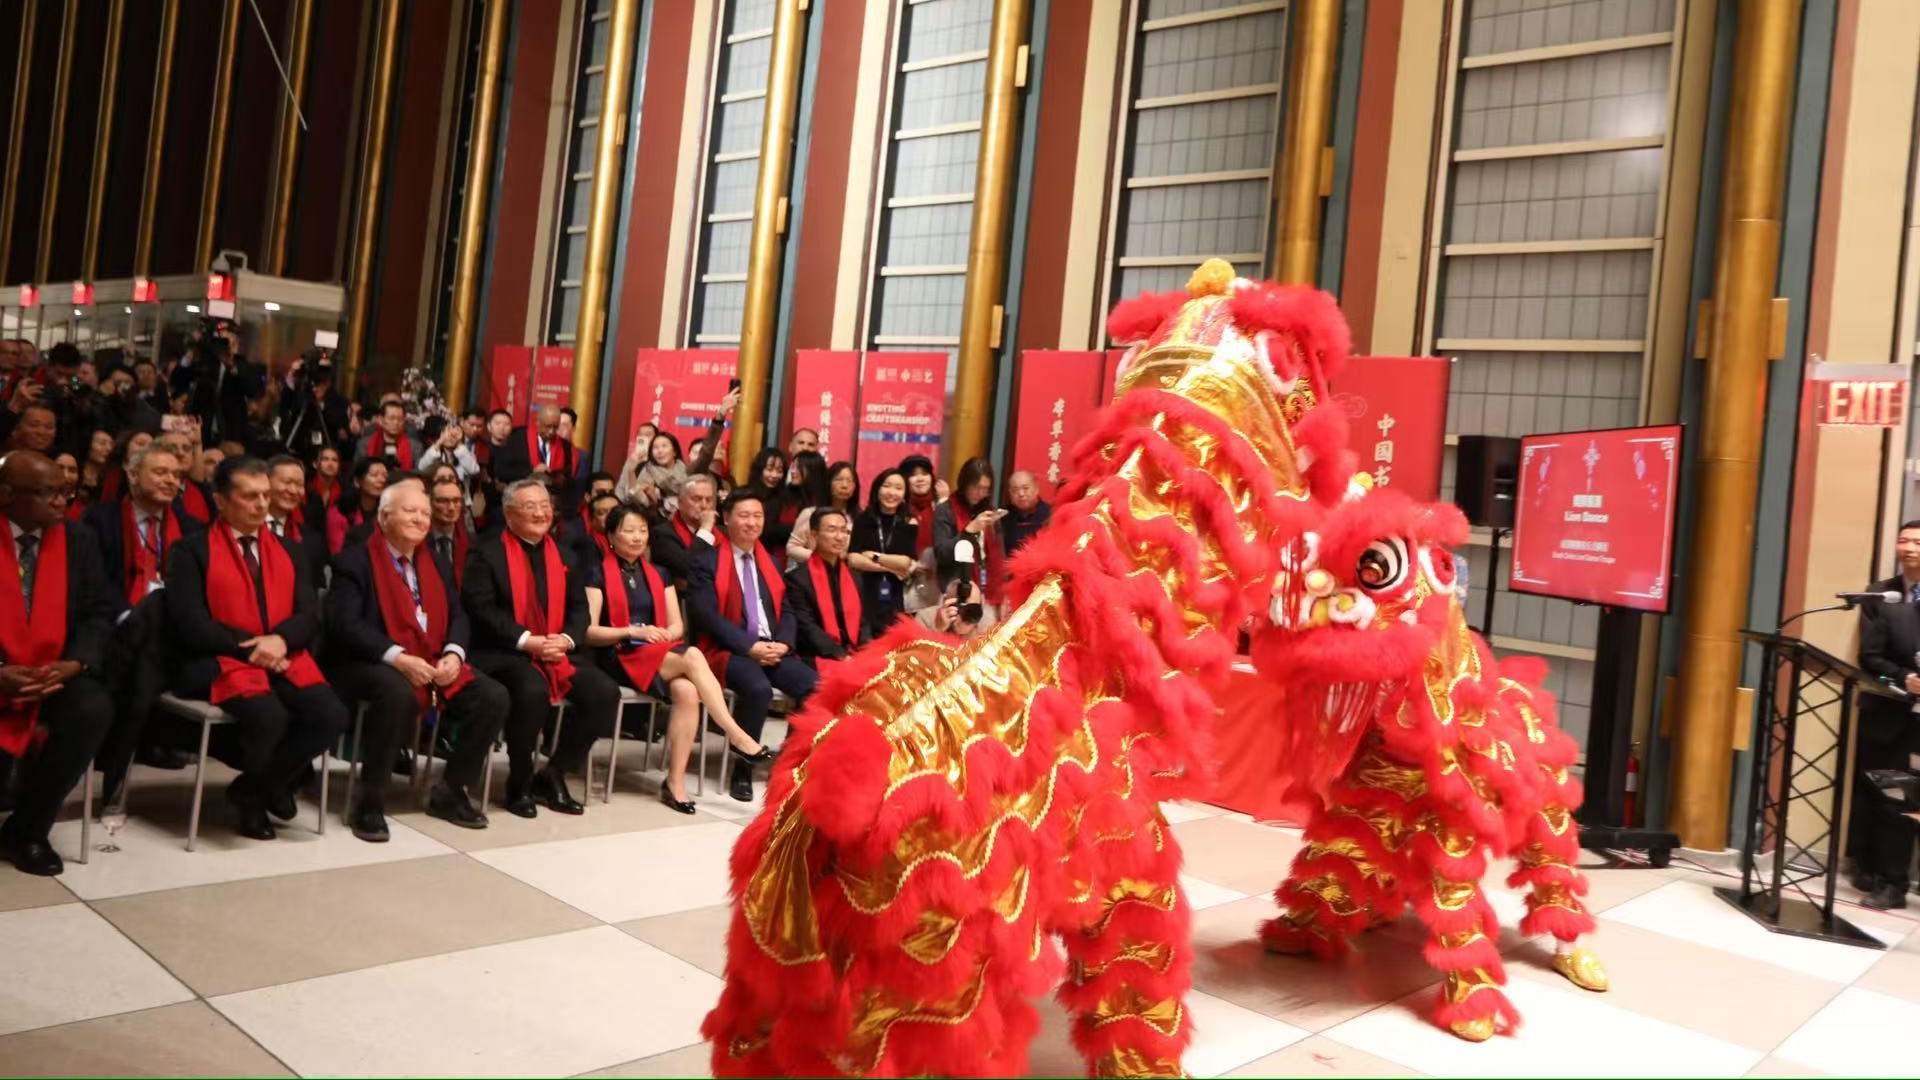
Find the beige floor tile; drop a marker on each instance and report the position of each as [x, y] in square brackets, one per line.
[65, 963]
[633, 875]
[1608, 885]
[688, 1061]
[1733, 998]
[188, 1039]
[631, 810]
[18, 890]
[1320, 1056]
[221, 939]
[1897, 974]
[1242, 856]
[1225, 1037]
[699, 936]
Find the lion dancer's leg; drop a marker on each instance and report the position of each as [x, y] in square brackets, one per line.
[1347, 878]
[1127, 971]
[1465, 942]
[1546, 868]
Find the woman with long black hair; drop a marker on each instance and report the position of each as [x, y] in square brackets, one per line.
[969, 517]
[767, 478]
[883, 552]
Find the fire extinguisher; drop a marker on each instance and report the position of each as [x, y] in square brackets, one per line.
[1631, 807]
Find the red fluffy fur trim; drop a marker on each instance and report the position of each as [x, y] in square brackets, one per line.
[1489, 1002]
[1136, 318]
[1310, 317]
[1558, 921]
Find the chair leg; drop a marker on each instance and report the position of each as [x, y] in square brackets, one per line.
[199, 786]
[86, 816]
[613, 755]
[700, 740]
[326, 769]
[486, 779]
[646, 752]
[423, 762]
[353, 758]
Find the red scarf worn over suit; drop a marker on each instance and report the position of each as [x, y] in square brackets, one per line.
[993, 557]
[726, 589]
[402, 448]
[685, 534]
[327, 490]
[830, 613]
[559, 453]
[142, 563]
[397, 611]
[233, 604]
[35, 638]
[193, 499]
[643, 663]
[538, 620]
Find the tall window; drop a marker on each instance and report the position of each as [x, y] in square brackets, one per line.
[471, 48]
[933, 146]
[570, 247]
[1195, 168]
[1552, 210]
[734, 119]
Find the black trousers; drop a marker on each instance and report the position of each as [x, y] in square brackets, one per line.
[76, 719]
[593, 699]
[1882, 838]
[280, 731]
[753, 687]
[136, 673]
[475, 715]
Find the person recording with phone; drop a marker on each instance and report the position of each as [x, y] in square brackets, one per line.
[1878, 839]
[966, 535]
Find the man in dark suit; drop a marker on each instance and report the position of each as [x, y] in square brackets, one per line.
[55, 616]
[526, 597]
[736, 599]
[537, 448]
[824, 594]
[399, 642]
[390, 441]
[692, 528]
[449, 538]
[1881, 841]
[287, 515]
[241, 614]
[218, 382]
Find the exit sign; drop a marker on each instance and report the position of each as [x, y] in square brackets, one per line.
[1860, 395]
[29, 296]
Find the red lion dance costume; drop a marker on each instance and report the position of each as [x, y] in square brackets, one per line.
[956, 829]
[1417, 755]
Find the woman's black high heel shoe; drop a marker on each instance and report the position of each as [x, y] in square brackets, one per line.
[666, 796]
[765, 756]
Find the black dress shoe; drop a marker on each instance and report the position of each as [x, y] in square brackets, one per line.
[742, 786]
[550, 790]
[1865, 880]
[523, 806]
[403, 763]
[31, 856]
[450, 804]
[1886, 898]
[370, 824]
[682, 805]
[250, 821]
[766, 756]
[281, 805]
[163, 757]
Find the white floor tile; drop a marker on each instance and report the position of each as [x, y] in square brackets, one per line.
[552, 1006]
[1177, 812]
[1564, 1034]
[628, 875]
[154, 856]
[1205, 894]
[65, 963]
[1226, 1036]
[1859, 1033]
[1694, 913]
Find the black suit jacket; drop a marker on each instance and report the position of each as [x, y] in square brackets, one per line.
[487, 593]
[311, 548]
[90, 604]
[815, 638]
[703, 607]
[1889, 638]
[672, 558]
[103, 523]
[511, 461]
[356, 630]
[194, 632]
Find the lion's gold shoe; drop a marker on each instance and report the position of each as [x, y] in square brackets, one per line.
[1582, 969]
[1477, 1030]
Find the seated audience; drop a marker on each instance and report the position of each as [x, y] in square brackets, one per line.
[825, 595]
[688, 531]
[960, 612]
[241, 616]
[882, 550]
[923, 494]
[450, 448]
[389, 440]
[537, 448]
[359, 504]
[966, 534]
[660, 476]
[125, 446]
[287, 514]
[806, 489]
[450, 538]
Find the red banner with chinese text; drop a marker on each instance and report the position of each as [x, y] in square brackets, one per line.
[826, 388]
[1109, 374]
[552, 382]
[508, 370]
[704, 377]
[1058, 394]
[1396, 408]
[656, 390]
[902, 408]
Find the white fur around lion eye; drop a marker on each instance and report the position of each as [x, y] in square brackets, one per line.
[1383, 566]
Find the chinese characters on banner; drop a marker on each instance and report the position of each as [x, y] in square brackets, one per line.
[1396, 408]
[825, 386]
[903, 400]
[679, 390]
[656, 390]
[1593, 516]
[552, 382]
[508, 369]
[1058, 395]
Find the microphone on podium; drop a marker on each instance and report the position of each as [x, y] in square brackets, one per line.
[1888, 597]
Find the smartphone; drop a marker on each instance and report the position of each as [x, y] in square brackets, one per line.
[732, 385]
[171, 423]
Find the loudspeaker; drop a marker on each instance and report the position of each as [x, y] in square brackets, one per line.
[1486, 477]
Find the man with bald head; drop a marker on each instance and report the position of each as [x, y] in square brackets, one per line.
[55, 618]
[1027, 512]
[538, 448]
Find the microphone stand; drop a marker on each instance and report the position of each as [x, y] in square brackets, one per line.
[1847, 605]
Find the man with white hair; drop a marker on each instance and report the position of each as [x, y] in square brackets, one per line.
[399, 637]
[526, 596]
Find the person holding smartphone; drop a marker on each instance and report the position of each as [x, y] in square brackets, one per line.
[966, 534]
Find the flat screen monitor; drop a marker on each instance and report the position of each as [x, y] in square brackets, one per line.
[1593, 517]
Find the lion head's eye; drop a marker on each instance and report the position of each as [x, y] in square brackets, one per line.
[1383, 566]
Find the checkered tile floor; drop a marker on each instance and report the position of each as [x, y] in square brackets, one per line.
[592, 946]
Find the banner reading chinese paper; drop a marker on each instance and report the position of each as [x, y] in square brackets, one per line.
[1396, 408]
[705, 375]
[552, 376]
[1058, 394]
[656, 388]
[825, 386]
[509, 368]
[902, 408]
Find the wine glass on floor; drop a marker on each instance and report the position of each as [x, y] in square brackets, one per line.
[113, 818]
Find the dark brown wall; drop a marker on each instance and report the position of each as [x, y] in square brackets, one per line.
[127, 165]
[246, 174]
[327, 150]
[76, 161]
[527, 99]
[1057, 146]
[26, 210]
[188, 117]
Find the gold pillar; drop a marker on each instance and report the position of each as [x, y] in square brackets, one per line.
[156, 138]
[56, 138]
[102, 139]
[474, 205]
[766, 247]
[1304, 170]
[981, 311]
[1733, 419]
[217, 135]
[287, 151]
[366, 226]
[16, 132]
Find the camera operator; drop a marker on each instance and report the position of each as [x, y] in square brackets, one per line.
[962, 612]
[312, 413]
[121, 406]
[219, 381]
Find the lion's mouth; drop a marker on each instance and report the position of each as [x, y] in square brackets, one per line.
[1351, 703]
